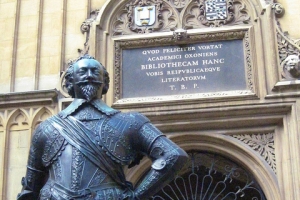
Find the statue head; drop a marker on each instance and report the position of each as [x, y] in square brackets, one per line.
[86, 78]
[291, 67]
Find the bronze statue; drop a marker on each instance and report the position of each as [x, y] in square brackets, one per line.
[80, 152]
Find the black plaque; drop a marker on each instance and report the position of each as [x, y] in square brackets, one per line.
[183, 69]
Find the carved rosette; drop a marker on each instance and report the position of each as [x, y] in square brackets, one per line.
[262, 144]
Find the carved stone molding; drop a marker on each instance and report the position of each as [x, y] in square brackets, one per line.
[180, 34]
[86, 25]
[26, 98]
[40, 116]
[297, 42]
[248, 62]
[178, 14]
[85, 28]
[278, 9]
[19, 121]
[185, 97]
[24, 118]
[287, 47]
[238, 34]
[262, 144]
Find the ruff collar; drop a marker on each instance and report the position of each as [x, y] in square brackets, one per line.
[97, 103]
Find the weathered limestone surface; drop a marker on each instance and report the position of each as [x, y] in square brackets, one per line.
[38, 37]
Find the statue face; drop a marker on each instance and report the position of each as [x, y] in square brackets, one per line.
[88, 79]
[292, 61]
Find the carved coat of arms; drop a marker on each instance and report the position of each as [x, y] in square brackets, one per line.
[216, 9]
[144, 16]
[216, 12]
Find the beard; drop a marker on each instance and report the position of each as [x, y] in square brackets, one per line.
[89, 90]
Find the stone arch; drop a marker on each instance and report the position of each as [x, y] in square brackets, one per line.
[17, 142]
[110, 8]
[228, 147]
[39, 116]
[18, 119]
[101, 37]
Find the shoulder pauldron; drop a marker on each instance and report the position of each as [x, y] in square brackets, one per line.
[54, 145]
[115, 135]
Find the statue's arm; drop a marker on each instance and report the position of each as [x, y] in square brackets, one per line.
[36, 173]
[167, 159]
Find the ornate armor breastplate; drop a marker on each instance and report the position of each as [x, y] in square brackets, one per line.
[82, 172]
[110, 132]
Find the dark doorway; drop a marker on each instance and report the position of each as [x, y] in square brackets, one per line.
[210, 176]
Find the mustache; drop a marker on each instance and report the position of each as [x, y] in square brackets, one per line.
[79, 83]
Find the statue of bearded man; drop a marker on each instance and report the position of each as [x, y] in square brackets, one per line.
[80, 152]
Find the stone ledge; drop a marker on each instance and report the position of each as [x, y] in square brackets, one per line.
[41, 97]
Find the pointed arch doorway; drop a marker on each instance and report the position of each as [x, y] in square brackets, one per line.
[209, 176]
[220, 168]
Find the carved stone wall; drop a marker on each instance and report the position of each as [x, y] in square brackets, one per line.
[257, 128]
[172, 15]
[16, 127]
[41, 35]
[262, 144]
